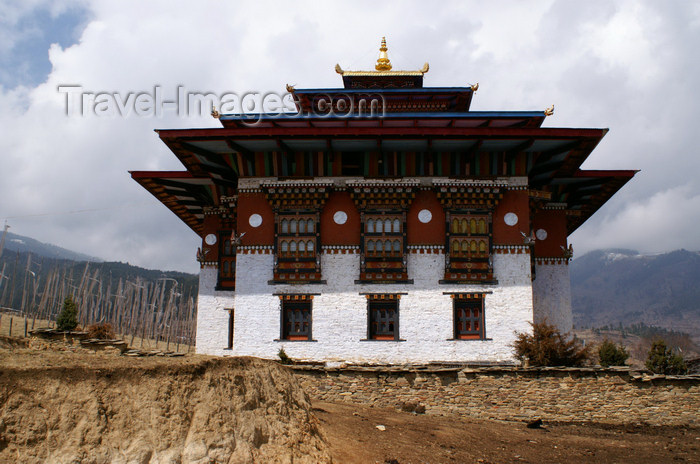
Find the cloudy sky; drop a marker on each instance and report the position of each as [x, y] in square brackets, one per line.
[631, 66]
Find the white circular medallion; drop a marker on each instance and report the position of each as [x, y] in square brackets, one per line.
[425, 216]
[340, 217]
[255, 220]
[210, 239]
[510, 219]
[541, 234]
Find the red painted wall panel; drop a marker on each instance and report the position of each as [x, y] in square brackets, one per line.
[255, 203]
[431, 233]
[513, 201]
[340, 234]
[554, 222]
[212, 225]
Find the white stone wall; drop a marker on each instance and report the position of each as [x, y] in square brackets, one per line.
[339, 313]
[212, 317]
[551, 291]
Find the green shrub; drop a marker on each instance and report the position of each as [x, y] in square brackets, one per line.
[662, 360]
[68, 318]
[611, 354]
[284, 359]
[548, 347]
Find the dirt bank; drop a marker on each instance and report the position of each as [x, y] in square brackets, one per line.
[92, 408]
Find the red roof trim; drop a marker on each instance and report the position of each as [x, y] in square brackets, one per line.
[600, 173]
[379, 131]
[162, 175]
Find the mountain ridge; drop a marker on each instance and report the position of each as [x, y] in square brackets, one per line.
[21, 243]
[618, 286]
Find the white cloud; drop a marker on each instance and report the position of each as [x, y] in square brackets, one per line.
[667, 220]
[625, 65]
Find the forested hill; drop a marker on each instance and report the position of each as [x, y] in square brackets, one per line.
[613, 287]
[23, 271]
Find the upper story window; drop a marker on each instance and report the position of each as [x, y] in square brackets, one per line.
[297, 247]
[297, 237]
[383, 247]
[227, 261]
[383, 236]
[469, 247]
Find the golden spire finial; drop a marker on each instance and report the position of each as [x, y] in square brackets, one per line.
[383, 63]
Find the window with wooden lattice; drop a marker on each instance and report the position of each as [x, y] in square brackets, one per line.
[227, 262]
[469, 248]
[296, 319]
[296, 254]
[383, 317]
[469, 317]
[383, 247]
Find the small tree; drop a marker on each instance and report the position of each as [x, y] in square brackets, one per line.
[548, 347]
[68, 319]
[662, 360]
[284, 359]
[611, 354]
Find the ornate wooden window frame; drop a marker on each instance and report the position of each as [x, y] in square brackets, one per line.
[468, 251]
[296, 202]
[297, 251]
[383, 201]
[469, 246]
[383, 310]
[227, 261]
[296, 317]
[468, 316]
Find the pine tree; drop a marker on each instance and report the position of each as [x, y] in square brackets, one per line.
[662, 360]
[611, 354]
[68, 319]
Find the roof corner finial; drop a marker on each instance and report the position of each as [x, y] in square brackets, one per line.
[549, 111]
[383, 63]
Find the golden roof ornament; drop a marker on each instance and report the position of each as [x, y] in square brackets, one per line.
[383, 63]
[383, 67]
[549, 111]
[474, 87]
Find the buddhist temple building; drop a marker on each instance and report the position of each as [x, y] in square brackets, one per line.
[381, 222]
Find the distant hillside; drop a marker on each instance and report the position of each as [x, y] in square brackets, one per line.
[14, 242]
[13, 266]
[612, 287]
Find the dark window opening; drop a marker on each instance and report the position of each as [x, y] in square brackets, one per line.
[296, 320]
[383, 320]
[352, 164]
[230, 329]
[469, 319]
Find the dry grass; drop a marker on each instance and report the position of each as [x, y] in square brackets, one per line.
[15, 322]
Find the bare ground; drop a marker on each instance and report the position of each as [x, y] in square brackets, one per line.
[410, 439]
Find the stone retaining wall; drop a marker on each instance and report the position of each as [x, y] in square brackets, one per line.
[610, 396]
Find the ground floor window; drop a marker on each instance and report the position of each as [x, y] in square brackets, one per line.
[230, 329]
[383, 317]
[296, 317]
[469, 317]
